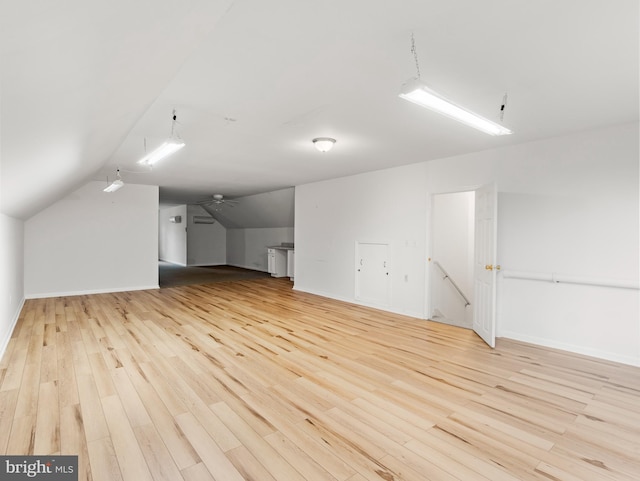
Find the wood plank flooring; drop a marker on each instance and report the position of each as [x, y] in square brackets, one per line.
[251, 380]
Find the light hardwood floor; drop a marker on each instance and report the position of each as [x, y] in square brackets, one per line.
[252, 380]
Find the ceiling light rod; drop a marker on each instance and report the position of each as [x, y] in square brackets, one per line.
[168, 147]
[324, 144]
[418, 93]
[115, 185]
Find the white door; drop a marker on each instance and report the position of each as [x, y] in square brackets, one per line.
[485, 268]
[372, 273]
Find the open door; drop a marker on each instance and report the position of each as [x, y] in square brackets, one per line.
[485, 268]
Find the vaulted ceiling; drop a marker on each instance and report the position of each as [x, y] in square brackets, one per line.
[85, 85]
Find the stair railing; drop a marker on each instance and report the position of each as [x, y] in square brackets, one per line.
[453, 283]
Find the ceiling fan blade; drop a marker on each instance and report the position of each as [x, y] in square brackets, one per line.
[218, 201]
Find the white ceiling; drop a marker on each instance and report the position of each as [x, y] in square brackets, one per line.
[84, 83]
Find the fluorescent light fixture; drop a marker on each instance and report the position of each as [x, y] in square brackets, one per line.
[166, 149]
[324, 144]
[113, 186]
[418, 93]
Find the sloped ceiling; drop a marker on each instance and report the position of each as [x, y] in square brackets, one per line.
[271, 209]
[86, 84]
[77, 76]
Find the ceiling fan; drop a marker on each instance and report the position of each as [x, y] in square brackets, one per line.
[217, 201]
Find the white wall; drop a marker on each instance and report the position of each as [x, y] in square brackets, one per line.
[11, 276]
[172, 238]
[387, 206]
[584, 222]
[568, 204]
[206, 243]
[247, 248]
[452, 244]
[11, 269]
[91, 241]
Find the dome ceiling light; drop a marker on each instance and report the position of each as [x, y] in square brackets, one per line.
[324, 144]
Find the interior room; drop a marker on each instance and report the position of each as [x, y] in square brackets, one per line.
[429, 213]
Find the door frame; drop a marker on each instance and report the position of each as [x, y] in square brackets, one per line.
[428, 303]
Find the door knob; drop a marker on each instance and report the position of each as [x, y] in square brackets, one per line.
[488, 267]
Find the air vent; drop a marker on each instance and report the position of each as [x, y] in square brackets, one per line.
[203, 219]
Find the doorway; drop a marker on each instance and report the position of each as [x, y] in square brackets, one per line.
[451, 267]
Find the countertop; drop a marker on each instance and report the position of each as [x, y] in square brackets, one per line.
[284, 248]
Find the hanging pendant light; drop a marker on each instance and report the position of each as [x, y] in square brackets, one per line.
[168, 147]
[417, 92]
[115, 185]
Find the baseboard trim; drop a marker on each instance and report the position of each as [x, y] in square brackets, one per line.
[585, 351]
[359, 303]
[251, 268]
[47, 295]
[216, 264]
[5, 342]
[173, 262]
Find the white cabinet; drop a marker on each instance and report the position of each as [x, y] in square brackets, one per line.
[277, 262]
[373, 283]
[271, 261]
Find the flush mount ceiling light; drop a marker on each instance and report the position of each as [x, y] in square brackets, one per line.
[417, 92]
[115, 185]
[324, 144]
[168, 147]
